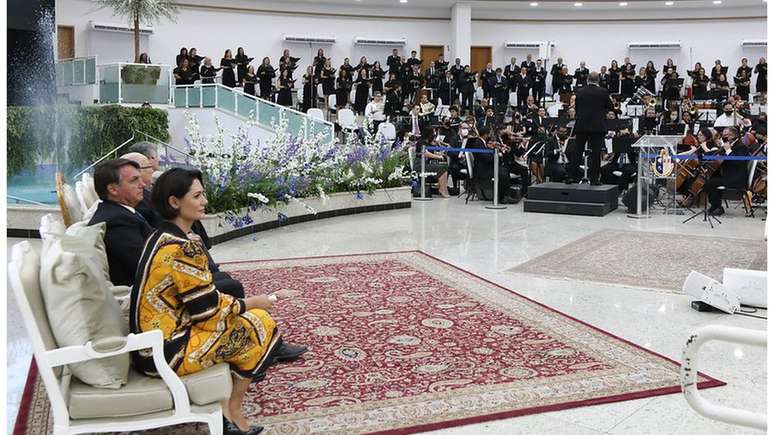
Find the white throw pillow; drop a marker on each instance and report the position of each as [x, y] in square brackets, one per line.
[78, 302]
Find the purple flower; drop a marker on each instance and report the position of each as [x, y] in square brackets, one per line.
[282, 218]
[359, 195]
[247, 220]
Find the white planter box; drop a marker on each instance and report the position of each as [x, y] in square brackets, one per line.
[219, 229]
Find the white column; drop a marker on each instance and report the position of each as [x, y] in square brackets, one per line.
[460, 30]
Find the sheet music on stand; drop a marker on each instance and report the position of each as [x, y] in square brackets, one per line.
[656, 171]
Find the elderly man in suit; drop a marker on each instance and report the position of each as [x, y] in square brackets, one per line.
[592, 104]
[120, 187]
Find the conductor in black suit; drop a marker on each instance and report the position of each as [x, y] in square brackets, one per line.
[592, 104]
[120, 187]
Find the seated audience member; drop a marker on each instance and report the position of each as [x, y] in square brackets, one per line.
[223, 281]
[201, 326]
[434, 161]
[146, 174]
[120, 187]
[732, 173]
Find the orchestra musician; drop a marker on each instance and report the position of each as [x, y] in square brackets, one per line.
[556, 154]
[434, 161]
[732, 173]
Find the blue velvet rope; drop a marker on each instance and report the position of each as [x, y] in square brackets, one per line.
[463, 150]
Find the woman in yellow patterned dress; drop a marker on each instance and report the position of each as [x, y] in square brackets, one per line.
[202, 327]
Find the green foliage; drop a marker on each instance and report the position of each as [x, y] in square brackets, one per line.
[140, 74]
[43, 134]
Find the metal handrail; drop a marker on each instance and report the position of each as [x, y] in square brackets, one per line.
[161, 142]
[28, 201]
[113, 151]
[689, 372]
[69, 59]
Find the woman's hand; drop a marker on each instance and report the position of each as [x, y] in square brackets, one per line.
[263, 302]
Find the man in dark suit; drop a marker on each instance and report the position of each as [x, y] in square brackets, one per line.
[120, 187]
[592, 104]
[732, 174]
[523, 85]
[499, 87]
[223, 281]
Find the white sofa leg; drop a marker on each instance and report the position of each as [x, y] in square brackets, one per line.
[215, 423]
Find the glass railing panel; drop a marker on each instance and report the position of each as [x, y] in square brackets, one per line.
[141, 83]
[317, 126]
[268, 114]
[246, 106]
[79, 72]
[194, 96]
[296, 123]
[108, 83]
[226, 99]
[208, 96]
[91, 70]
[68, 73]
[180, 100]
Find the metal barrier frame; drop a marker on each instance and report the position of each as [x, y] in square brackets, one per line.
[689, 370]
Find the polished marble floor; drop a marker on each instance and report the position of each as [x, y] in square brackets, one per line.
[488, 243]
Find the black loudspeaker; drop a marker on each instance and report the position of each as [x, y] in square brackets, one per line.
[630, 199]
[580, 199]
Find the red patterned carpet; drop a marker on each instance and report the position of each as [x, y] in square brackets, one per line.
[403, 342]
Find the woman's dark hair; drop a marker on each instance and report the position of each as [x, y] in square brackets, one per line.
[428, 133]
[174, 182]
[707, 133]
[184, 51]
[226, 53]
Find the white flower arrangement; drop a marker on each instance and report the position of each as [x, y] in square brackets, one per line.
[241, 172]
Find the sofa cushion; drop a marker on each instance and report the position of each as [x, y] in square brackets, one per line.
[144, 394]
[78, 304]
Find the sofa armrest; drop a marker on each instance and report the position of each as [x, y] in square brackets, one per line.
[110, 346]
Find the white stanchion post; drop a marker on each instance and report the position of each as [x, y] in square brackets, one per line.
[496, 200]
[422, 177]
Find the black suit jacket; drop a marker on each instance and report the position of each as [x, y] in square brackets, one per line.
[125, 238]
[147, 211]
[735, 171]
[592, 104]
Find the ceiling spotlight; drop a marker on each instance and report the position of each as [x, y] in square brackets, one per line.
[623, 4]
[533, 4]
[669, 3]
[717, 2]
[404, 1]
[578, 4]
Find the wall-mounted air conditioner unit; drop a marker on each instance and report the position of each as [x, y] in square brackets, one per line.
[654, 45]
[311, 39]
[517, 44]
[397, 42]
[754, 43]
[120, 28]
